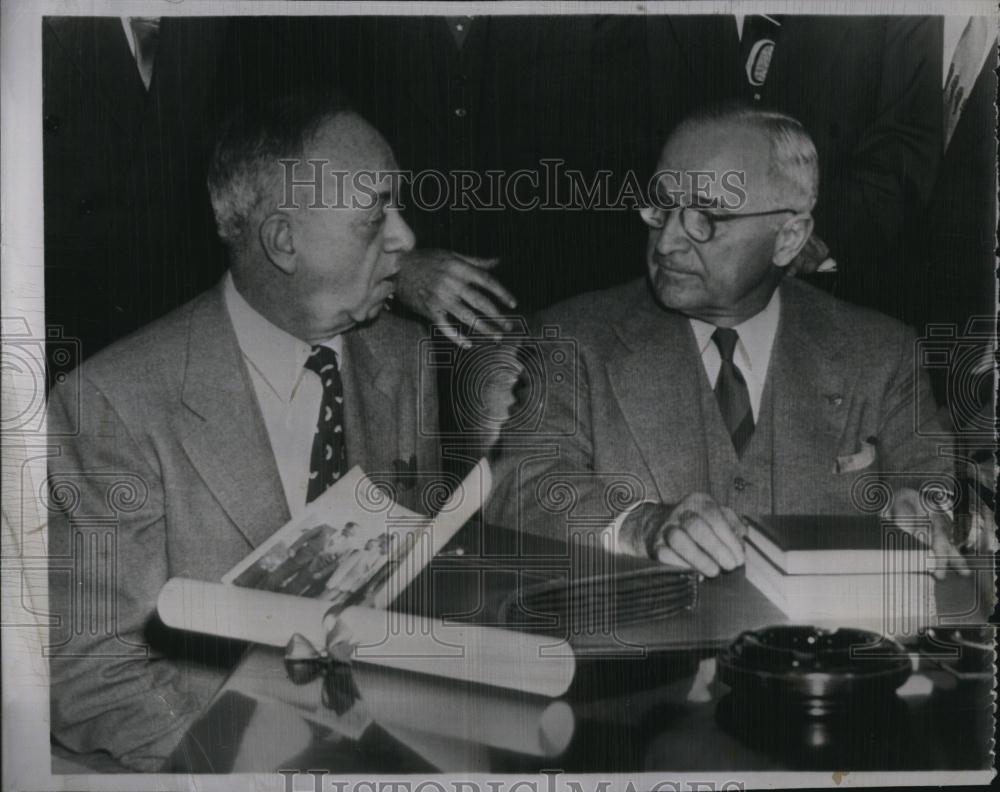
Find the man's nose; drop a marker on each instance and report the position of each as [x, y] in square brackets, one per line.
[672, 237]
[399, 237]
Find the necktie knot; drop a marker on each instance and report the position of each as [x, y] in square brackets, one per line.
[323, 361]
[725, 339]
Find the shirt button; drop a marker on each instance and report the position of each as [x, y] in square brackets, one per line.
[460, 27]
[740, 483]
[756, 96]
[460, 112]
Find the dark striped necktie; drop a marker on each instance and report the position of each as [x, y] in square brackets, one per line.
[731, 391]
[328, 459]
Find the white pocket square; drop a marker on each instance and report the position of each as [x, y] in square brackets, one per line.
[858, 461]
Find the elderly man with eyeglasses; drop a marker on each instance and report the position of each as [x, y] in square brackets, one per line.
[718, 386]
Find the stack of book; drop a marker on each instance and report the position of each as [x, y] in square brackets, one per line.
[848, 571]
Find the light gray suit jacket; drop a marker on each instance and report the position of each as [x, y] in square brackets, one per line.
[626, 426]
[163, 469]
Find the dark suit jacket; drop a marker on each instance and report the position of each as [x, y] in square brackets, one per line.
[626, 426]
[129, 231]
[171, 473]
[955, 249]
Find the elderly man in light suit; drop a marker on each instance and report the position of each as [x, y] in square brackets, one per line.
[718, 386]
[223, 419]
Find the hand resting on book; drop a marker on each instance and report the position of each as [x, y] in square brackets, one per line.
[696, 532]
[908, 505]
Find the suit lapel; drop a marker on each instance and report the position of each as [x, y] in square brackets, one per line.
[811, 396]
[657, 383]
[371, 380]
[227, 441]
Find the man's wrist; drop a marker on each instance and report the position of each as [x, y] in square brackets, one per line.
[640, 530]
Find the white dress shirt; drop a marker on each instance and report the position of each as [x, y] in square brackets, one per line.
[753, 350]
[752, 356]
[129, 35]
[289, 395]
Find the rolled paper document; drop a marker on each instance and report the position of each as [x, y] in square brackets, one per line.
[260, 617]
[504, 719]
[469, 653]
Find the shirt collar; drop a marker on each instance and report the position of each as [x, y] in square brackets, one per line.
[278, 357]
[756, 334]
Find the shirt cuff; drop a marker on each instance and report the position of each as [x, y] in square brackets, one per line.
[609, 536]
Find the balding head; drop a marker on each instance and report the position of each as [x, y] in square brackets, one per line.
[791, 163]
[245, 175]
[302, 191]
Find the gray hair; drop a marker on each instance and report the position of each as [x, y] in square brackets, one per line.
[793, 154]
[244, 170]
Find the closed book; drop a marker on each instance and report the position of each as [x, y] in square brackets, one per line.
[884, 600]
[839, 544]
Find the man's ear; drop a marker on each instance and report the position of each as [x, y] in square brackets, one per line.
[791, 239]
[275, 234]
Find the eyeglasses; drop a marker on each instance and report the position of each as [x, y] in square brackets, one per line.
[699, 224]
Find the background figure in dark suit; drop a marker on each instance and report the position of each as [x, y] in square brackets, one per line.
[129, 232]
[866, 89]
[953, 261]
[491, 93]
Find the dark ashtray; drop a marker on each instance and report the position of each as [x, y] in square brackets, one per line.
[814, 672]
[807, 662]
[814, 695]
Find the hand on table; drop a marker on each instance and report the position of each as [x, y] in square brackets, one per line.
[697, 532]
[908, 505]
[452, 290]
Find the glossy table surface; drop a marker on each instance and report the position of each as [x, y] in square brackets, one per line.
[665, 710]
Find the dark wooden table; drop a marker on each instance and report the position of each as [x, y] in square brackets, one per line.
[664, 711]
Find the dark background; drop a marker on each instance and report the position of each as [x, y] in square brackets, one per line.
[129, 233]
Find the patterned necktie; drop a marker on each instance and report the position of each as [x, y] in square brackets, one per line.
[146, 32]
[731, 391]
[328, 459]
[757, 44]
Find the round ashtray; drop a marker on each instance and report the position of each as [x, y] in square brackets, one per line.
[795, 663]
[813, 696]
